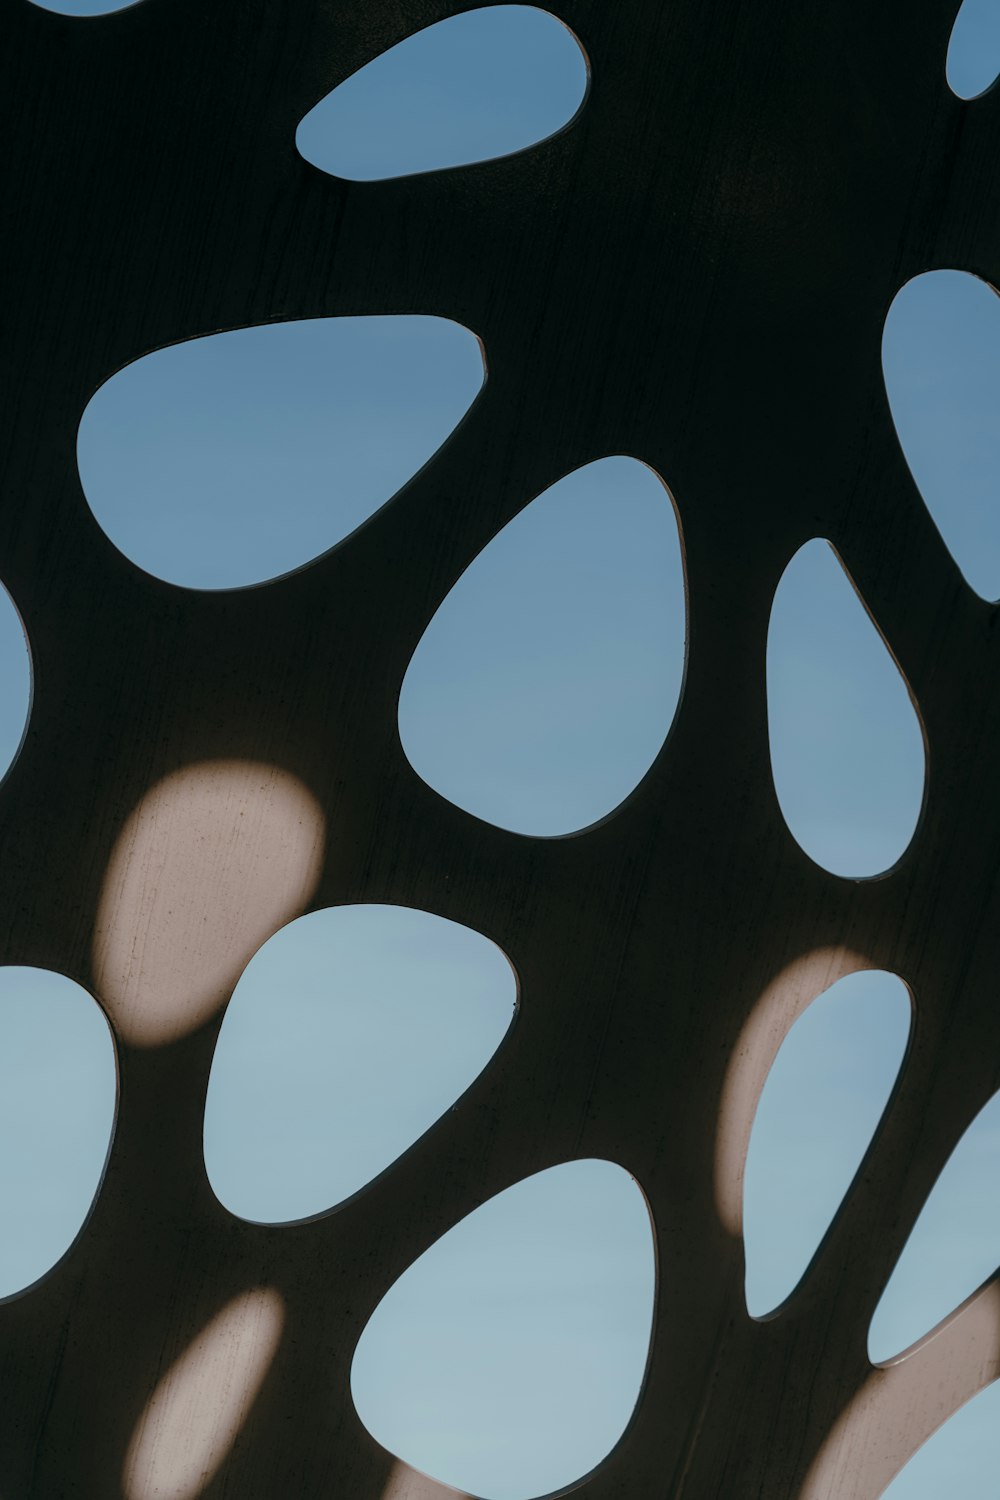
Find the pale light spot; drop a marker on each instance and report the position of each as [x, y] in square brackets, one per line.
[194, 1415]
[405, 1483]
[781, 1004]
[901, 1405]
[817, 1116]
[214, 859]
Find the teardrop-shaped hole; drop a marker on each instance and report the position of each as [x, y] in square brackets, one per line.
[818, 1111]
[941, 362]
[544, 687]
[470, 88]
[231, 459]
[508, 1359]
[847, 750]
[58, 1095]
[954, 1245]
[962, 1458]
[15, 682]
[350, 1032]
[974, 49]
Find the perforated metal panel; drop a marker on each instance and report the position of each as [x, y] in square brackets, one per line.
[696, 273]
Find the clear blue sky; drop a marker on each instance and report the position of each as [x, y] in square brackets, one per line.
[234, 458]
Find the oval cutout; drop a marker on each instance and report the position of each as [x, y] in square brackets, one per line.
[85, 7]
[350, 1032]
[15, 682]
[974, 49]
[542, 690]
[58, 1096]
[941, 362]
[954, 1245]
[508, 1359]
[819, 1108]
[962, 1458]
[847, 751]
[231, 459]
[471, 88]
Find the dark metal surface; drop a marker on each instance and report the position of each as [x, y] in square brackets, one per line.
[695, 273]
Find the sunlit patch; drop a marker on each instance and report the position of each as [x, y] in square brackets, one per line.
[194, 1415]
[473, 87]
[819, 1108]
[508, 1359]
[348, 1035]
[973, 61]
[752, 1058]
[15, 681]
[214, 859]
[961, 1459]
[231, 459]
[954, 1246]
[847, 750]
[405, 1483]
[900, 1407]
[545, 685]
[941, 362]
[58, 1094]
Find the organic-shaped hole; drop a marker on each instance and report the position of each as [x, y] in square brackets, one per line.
[974, 49]
[349, 1033]
[15, 682]
[546, 683]
[508, 1359]
[196, 1412]
[470, 88]
[962, 1458]
[953, 1247]
[941, 361]
[847, 751]
[818, 1111]
[85, 7]
[232, 459]
[58, 1095]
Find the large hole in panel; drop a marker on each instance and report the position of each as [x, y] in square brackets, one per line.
[974, 48]
[231, 459]
[15, 682]
[508, 1359]
[818, 1111]
[58, 1095]
[349, 1033]
[961, 1459]
[544, 687]
[470, 88]
[954, 1246]
[941, 361]
[847, 752]
[85, 7]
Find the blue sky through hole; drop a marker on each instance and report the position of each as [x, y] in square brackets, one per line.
[934, 370]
